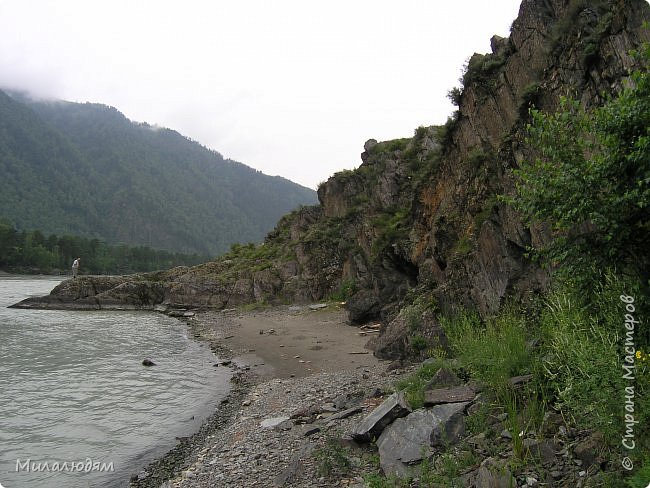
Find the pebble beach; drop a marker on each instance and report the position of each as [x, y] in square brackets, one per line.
[302, 379]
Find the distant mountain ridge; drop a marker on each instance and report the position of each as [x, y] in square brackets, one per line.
[85, 169]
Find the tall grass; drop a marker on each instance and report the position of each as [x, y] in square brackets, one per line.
[573, 343]
[582, 363]
[414, 385]
[583, 354]
[492, 352]
[577, 364]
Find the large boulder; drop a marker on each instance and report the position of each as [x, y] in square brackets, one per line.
[99, 292]
[490, 475]
[363, 306]
[407, 441]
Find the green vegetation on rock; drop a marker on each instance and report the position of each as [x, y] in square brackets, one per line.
[591, 181]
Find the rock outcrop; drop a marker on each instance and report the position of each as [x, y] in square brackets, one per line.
[420, 215]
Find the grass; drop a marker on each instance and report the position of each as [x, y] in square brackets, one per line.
[492, 352]
[584, 349]
[333, 459]
[463, 246]
[418, 343]
[375, 480]
[575, 362]
[253, 307]
[641, 478]
[344, 291]
[480, 70]
[447, 469]
[414, 311]
[414, 385]
[576, 365]
[476, 157]
[485, 213]
[478, 421]
[390, 226]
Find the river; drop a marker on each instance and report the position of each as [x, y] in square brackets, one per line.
[74, 392]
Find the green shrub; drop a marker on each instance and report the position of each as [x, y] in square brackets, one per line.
[606, 150]
[455, 95]
[389, 147]
[481, 69]
[445, 132]
[529, 98]
[418, 343]
[390, 226]
[375, 480]
[345, 291]
[478, 421]
[476, 157]
[486, 212]
[413, 312]
[463, 246]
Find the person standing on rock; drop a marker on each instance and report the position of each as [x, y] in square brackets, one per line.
[75, 267]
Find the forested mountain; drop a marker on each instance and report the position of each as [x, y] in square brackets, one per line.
[85, 169]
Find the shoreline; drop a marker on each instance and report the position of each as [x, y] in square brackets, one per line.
[291, 345]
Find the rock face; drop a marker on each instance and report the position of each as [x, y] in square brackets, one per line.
[419, 213]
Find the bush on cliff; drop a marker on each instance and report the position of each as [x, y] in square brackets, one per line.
[591, 180]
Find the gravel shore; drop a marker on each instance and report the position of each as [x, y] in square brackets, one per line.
[298, 373]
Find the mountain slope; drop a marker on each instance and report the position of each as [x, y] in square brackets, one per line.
[85, 169]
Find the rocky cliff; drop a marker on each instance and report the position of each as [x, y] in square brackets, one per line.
[418, 228]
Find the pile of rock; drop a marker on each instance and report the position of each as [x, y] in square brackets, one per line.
[406, 437]
[559, 455]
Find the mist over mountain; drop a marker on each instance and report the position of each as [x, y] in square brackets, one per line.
[85, 169]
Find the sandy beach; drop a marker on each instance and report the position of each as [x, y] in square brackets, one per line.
[285, 359]
[290, 341]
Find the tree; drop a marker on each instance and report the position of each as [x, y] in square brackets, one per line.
[591, 180]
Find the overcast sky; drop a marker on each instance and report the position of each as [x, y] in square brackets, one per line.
[289, 87]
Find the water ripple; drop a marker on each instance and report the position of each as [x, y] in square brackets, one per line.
[73, 387]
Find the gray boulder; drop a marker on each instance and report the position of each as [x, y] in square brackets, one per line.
[363, 306]
[407, 441]
[444, 377]
[371, 427]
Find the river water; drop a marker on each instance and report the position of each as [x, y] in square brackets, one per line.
[73, 390]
